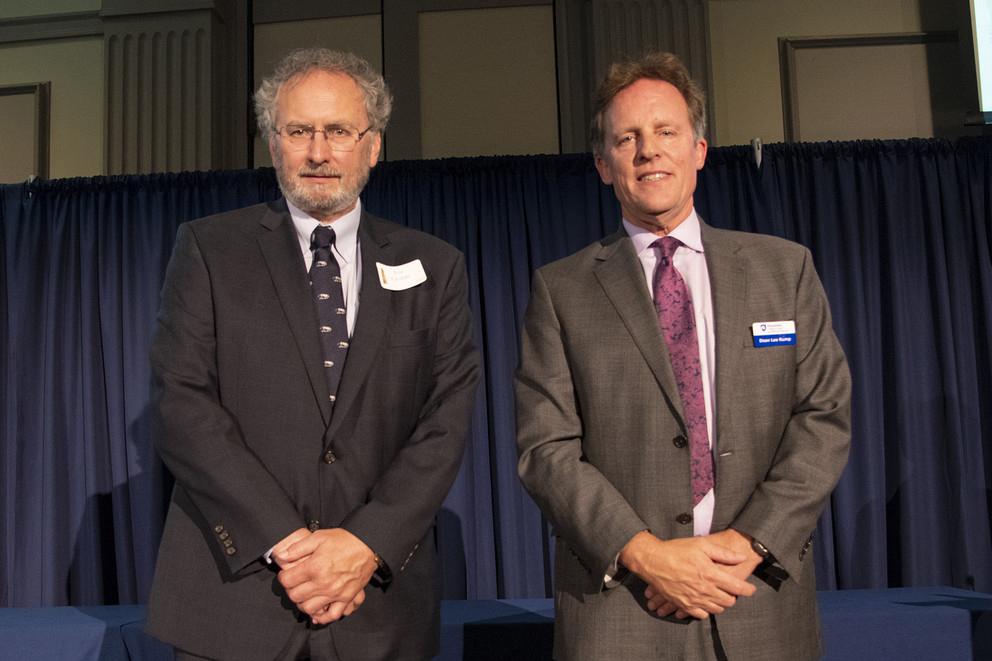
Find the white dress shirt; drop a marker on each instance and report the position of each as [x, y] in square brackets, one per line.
[690, 262]
[346, 252]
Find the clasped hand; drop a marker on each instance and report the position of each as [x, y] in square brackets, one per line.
[324, 572]
[695, 576]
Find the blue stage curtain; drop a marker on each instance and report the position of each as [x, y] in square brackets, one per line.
[901, 233]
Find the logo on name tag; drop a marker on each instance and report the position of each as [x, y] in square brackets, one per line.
[773, 333]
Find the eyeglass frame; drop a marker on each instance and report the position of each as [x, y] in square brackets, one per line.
[327, 127]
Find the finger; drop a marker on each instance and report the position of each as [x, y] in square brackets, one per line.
[330, 614]
[657, 602]
[729, 584]
[286, 564]
[291, 538]
[697, 613]
[355, 603]
[297, 550]
[666, 609]
[715, 598]
[314, 606]
[722, 554]
[649, 592]
[336, 611]
[293, 577]
[304, 592]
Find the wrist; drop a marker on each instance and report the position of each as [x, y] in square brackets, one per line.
[632, 552]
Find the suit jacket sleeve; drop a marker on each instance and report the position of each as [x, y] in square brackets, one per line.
[405, 499]
[239, 503]
[783, 509]
[584, 506]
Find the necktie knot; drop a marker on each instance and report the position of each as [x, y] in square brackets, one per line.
[667, 245]
[322, 237]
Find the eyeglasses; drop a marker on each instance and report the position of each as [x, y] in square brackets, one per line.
[340, 138]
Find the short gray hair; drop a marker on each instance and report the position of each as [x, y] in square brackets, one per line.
[378, 99]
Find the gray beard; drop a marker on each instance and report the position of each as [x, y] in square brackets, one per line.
[337, 201]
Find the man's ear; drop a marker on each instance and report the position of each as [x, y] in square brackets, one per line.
[375, 149]
[272, 147]
[603, 168]
[701, 147]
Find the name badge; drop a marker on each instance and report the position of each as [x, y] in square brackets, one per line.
[403, 276]
[773, 333]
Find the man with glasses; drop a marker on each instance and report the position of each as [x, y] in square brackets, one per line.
[314, 377]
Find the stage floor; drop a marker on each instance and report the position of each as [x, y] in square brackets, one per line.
[903, 624]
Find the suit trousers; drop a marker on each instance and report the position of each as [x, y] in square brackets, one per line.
[305, 644]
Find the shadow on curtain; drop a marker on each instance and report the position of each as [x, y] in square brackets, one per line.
[902, 237]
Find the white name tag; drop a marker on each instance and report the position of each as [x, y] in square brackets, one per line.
[773, 333]
[404, 276]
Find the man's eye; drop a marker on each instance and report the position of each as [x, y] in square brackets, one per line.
[338, 132]
[625, 140]
[297, 131]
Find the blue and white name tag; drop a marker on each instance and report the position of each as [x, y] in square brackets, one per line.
[773, 333]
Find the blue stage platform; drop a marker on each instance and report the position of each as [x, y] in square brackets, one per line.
[904, 624]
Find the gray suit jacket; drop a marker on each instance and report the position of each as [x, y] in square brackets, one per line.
[597, 412]
[243, 421]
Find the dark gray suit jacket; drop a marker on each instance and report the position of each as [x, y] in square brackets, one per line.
[598, 410]
[243, 421]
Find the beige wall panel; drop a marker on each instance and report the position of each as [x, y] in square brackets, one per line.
[75, 69]
[744, 40]
[21, 8]
[17, 122]
[487, 82]
[863, 93]
[361, 35]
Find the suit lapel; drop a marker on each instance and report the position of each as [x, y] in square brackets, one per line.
[728, 287]
[620, 274]
[281, 251]
[372, 322]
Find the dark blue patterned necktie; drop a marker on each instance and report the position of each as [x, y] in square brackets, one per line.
[328, 299]
[673, 303]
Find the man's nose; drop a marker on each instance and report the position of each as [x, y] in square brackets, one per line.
[648, 146]
[319, 149]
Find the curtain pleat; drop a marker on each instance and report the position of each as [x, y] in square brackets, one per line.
[901, 233]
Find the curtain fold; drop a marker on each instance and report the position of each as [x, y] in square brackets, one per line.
[901, 233]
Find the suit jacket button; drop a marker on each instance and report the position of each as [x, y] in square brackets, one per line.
[680, 441]
[329, 457]
[218, 529]
[313, 526]
[231, 550]
[224, 535]
[684, 518]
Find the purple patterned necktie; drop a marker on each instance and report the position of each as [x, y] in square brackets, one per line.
[673, 303]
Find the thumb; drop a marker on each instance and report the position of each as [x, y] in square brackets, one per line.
[297, 550]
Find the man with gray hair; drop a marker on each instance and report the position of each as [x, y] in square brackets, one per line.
[683, 407]
[313, 381]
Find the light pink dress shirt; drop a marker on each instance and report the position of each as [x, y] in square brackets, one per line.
[690, 262]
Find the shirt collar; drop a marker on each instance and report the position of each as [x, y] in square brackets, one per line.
[345, 229]
[687, 232]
